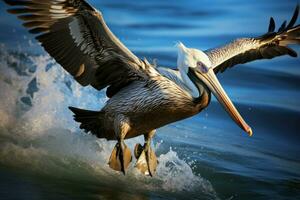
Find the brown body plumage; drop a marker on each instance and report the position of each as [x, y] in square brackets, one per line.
[150, 105]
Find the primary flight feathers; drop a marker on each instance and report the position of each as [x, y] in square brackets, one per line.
[77, 37]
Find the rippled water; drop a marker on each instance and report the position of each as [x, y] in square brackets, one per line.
[43, 155]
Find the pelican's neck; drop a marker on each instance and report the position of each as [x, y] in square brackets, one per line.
[193, 90]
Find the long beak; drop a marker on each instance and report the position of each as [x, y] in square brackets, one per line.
[214, 85]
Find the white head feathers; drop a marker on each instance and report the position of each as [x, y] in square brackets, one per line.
[188, 57]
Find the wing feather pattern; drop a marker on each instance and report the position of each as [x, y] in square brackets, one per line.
[268, 46]
[77, 37]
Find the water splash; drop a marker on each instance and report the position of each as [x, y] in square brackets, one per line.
[38, 134]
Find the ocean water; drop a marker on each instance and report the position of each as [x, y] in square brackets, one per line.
[44, 155]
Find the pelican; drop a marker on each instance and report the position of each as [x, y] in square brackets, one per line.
[142, 97]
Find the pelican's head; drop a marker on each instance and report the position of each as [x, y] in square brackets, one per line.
[198, 68]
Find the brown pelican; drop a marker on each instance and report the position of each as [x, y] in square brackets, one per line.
[143, 97]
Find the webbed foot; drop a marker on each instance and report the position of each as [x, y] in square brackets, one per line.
[120, 157]
[146, 159]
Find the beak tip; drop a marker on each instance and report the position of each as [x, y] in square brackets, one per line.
[250, 133]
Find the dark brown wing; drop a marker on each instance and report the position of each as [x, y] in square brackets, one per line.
[268, 46]
[77, 37]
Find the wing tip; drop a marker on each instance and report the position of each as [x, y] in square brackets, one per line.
[71, 108]
[291, 52]
[294, 18]
[272, 25]
[284, 26]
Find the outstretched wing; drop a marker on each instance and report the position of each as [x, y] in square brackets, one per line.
[268, 46]
[77, 37]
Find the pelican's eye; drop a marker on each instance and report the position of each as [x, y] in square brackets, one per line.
[202, 67]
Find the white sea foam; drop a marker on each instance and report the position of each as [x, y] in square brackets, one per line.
[44, 139]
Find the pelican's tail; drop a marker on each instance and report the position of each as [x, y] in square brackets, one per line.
[91, 121]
